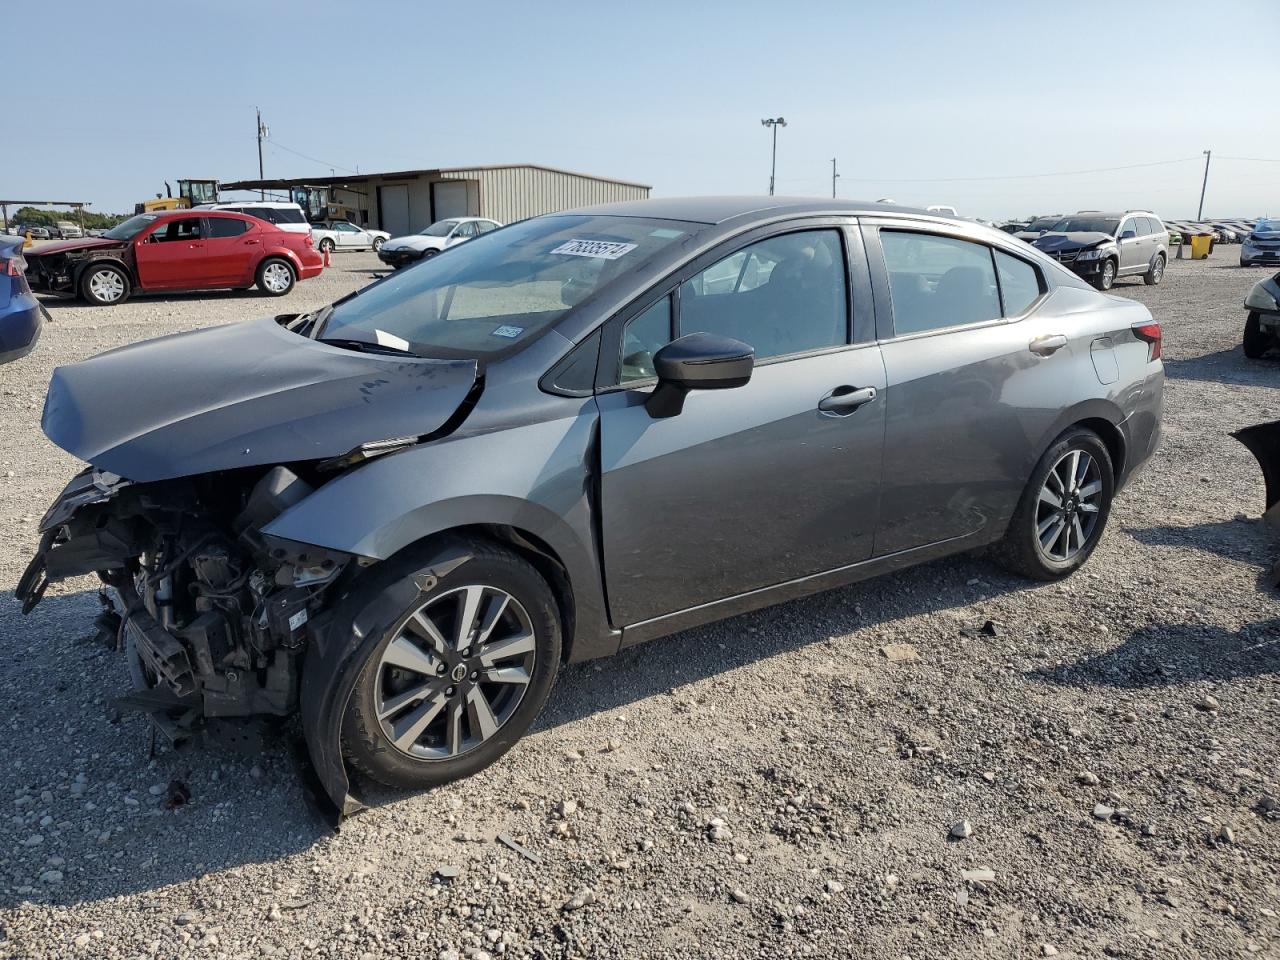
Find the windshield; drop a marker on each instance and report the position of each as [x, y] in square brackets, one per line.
[1267, 226]
[485, 296]
[1086, 225]
[440, 228]
[1042, 223]
[131, 227]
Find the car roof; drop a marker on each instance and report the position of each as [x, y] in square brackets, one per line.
[198, 212]
[714, 210]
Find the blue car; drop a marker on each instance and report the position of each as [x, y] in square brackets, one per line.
[21, 315]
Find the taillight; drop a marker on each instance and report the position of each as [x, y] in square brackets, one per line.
[309, 243]
[1149, 333]
[15, 267]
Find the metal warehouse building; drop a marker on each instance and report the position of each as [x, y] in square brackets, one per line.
[408, 200]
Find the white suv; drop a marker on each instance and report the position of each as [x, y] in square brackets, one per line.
[286, 216]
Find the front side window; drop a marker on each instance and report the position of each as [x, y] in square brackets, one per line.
[642, 337]
[937, 282]
[344, 227]
[226, 227]
[783, 295]
[176, 230]
[489, 296]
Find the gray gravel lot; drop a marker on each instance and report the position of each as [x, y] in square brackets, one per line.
[769, 786]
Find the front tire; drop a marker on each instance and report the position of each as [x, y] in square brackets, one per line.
[1063, 510]
[459, 677]
[1155, 272]
[105, 285]
[275, 277]
[1106, 277]
[1256, 342]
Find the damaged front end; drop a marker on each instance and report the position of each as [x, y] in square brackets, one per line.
[214, 616]
[1263, 441]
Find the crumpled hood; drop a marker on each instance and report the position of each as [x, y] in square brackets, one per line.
[242, 395]
[72, 246]
[1050, 242]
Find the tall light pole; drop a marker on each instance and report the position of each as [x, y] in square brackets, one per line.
[775, 123]
[1204, 185]
[834, 177]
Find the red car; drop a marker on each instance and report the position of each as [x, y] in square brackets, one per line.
[175, 250]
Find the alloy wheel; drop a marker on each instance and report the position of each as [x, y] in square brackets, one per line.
[107, 286]
[277, 277]
[454, 672]
[1157, 272]
[1068, 505]
[1108, 274]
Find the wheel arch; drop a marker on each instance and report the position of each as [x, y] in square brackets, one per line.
[86, 265]
[280, 253]
[1100, 416]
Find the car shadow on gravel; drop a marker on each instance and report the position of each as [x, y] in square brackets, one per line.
[1225, 366]
[196, 296]
[1171, 654]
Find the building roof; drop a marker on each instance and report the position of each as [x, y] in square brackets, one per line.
[720, 209]
[335, 181]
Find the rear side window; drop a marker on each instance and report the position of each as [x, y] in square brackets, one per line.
[262, 213]
[1157, 225]
[937, 282]
[287, 215]
[1019, 283]
[226, 227]
[783, 295]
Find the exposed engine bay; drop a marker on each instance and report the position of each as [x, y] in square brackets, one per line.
[214, 615]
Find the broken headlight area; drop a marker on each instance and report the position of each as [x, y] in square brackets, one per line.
[214, 615]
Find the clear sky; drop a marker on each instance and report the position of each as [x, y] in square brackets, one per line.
[107, 100]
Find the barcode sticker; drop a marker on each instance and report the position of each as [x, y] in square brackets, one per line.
[600, 249]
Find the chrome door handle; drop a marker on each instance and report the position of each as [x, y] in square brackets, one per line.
[843, 401]
[1047, 345]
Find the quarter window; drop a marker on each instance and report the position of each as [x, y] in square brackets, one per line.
[642, 337]
[1019, 283]
[783, 295]
[176, 230]
[937, 282]
[226, 227]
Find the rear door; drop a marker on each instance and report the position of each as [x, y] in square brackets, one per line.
[172, 255]
[755, 486]
[232, 244]
[967, 398]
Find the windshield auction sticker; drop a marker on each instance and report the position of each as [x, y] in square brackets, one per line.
[600, 249]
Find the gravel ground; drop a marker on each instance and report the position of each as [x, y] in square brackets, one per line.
[770, 786]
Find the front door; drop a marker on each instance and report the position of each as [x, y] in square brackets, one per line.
[1133, 245]
[171, 256]
[754, 486]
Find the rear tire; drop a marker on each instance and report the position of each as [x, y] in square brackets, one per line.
[326, 245]
[1155, 272]
[275, 277]
[428, 254]
[439, 752]
[105, 285]
[377, 243]
[1023, 550]
[1256, 342]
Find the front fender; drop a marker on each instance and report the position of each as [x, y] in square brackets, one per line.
[537, 478]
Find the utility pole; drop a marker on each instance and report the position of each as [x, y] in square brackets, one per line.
[774, 123]
[1204, 185]
[834, 177]
[262, 135]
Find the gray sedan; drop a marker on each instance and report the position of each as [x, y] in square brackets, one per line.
[573, 435]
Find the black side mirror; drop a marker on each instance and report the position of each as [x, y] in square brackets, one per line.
[697, 361]
[1128, 235]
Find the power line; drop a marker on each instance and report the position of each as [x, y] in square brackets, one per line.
[297, 153]
[1254, 159]
[1022, 176]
